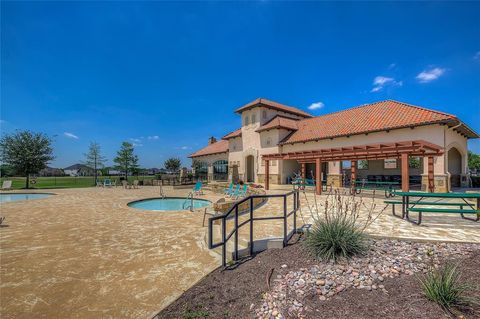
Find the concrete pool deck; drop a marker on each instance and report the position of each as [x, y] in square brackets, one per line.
[85, 254]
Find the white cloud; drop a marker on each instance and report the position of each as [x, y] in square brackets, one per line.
[183, 148]
[379, 82]
[153, 137]
[477, 56]
[135, 140]
[316, 106]
[71, 135]
[137, 144]
[430, 75]
[392, 66]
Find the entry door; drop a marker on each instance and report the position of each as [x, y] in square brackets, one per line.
[250, 169]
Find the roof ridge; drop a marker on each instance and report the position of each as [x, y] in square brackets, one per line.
[378, 102]
[421, 108]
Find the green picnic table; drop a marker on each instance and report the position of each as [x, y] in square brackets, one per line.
[385, 186]
[417, 205]
[301, 183]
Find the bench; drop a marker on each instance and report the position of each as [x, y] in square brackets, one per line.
[397, 202]
[460, 211]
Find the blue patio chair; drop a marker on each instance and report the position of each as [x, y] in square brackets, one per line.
[197, 189]
[107, 183]
[242, 192]
[234, 191]
[228, 190]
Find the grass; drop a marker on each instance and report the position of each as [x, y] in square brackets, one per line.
[444, 287]
[65, 181]
[335, 238]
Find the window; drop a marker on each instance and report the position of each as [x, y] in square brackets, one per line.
[254, 118]
[220, 167]
[269, 140]
[264, 114]
[346, 164]
[363, 164]
[245, 121]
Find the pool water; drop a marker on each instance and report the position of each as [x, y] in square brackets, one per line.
[15, 197]
[168, 204]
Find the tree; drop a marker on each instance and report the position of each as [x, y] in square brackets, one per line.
[94, 158]
[172, 164]
[26, 152]
[126, 159]
[473, 160]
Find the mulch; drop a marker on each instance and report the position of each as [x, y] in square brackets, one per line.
[236, 292]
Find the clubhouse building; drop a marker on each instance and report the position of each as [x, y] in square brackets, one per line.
[383, 141]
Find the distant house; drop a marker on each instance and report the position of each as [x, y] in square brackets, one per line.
[51, 171]
[78, 170]
[114, 172]
[153, 171]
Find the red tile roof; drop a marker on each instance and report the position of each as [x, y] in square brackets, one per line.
[273, 105]
[215, 148]
[373, 117]
[279, 122]
[233, 134]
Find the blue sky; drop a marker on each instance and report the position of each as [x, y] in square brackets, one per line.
[166, 76]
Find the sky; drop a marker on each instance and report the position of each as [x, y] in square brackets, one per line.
[168, 75]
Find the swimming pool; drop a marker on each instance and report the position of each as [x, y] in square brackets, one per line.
[15, 197]
[168, 204]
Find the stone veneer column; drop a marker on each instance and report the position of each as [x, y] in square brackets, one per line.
[210, 173]
[334, 176]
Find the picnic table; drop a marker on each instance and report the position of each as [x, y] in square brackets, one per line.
[418, 204]
[387, 187]
[302, 183]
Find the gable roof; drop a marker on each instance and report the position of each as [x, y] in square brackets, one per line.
[78, 167]
[236, 133]
[273, 105]
[214, 148]
[279, 122]
[374, 117]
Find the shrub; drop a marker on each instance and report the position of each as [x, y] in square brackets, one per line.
[339, 232]
[443, 286]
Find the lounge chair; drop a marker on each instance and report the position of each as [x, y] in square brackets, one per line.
[3, 218]
[7, 185]
[197, 189]
[242, 192]
[234, 191]
[107, 183]
[135, 184]
[125, 184]
[228, 190]
[99, 183]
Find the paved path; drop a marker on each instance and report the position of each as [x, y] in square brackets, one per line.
[84, 254]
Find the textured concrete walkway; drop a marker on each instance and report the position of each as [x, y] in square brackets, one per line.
[84, 254]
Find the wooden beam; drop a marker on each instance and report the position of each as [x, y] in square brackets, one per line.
[405, 175]
[267, 175]
[318, 176]
[431, 182]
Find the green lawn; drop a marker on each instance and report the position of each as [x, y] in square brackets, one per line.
[65, 181]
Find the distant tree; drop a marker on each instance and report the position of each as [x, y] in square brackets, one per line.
[126, 159]
[26, 152]
[94, 158]
[6, 170]
[473, 160]
[172, 164]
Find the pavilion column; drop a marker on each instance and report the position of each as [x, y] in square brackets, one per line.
[405, 174]
[304, 171]
[318, 176]
[353, 177]
[431, 185]
[267, 175]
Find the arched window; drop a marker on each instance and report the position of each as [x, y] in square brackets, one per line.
[264, 114]
[245, 121]
[254, 118]
[220, 167]
[201, 167]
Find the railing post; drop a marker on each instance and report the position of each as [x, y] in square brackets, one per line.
[284, 220]
[224, 246]
[295, 212]
[236, 233]
[251, 226]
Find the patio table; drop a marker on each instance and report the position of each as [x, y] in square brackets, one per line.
[386, 186]
[406, 198]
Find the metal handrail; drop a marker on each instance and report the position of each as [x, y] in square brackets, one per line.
[235, 210]
[190, 196]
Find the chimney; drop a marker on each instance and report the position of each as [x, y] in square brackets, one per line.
[211, 140]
